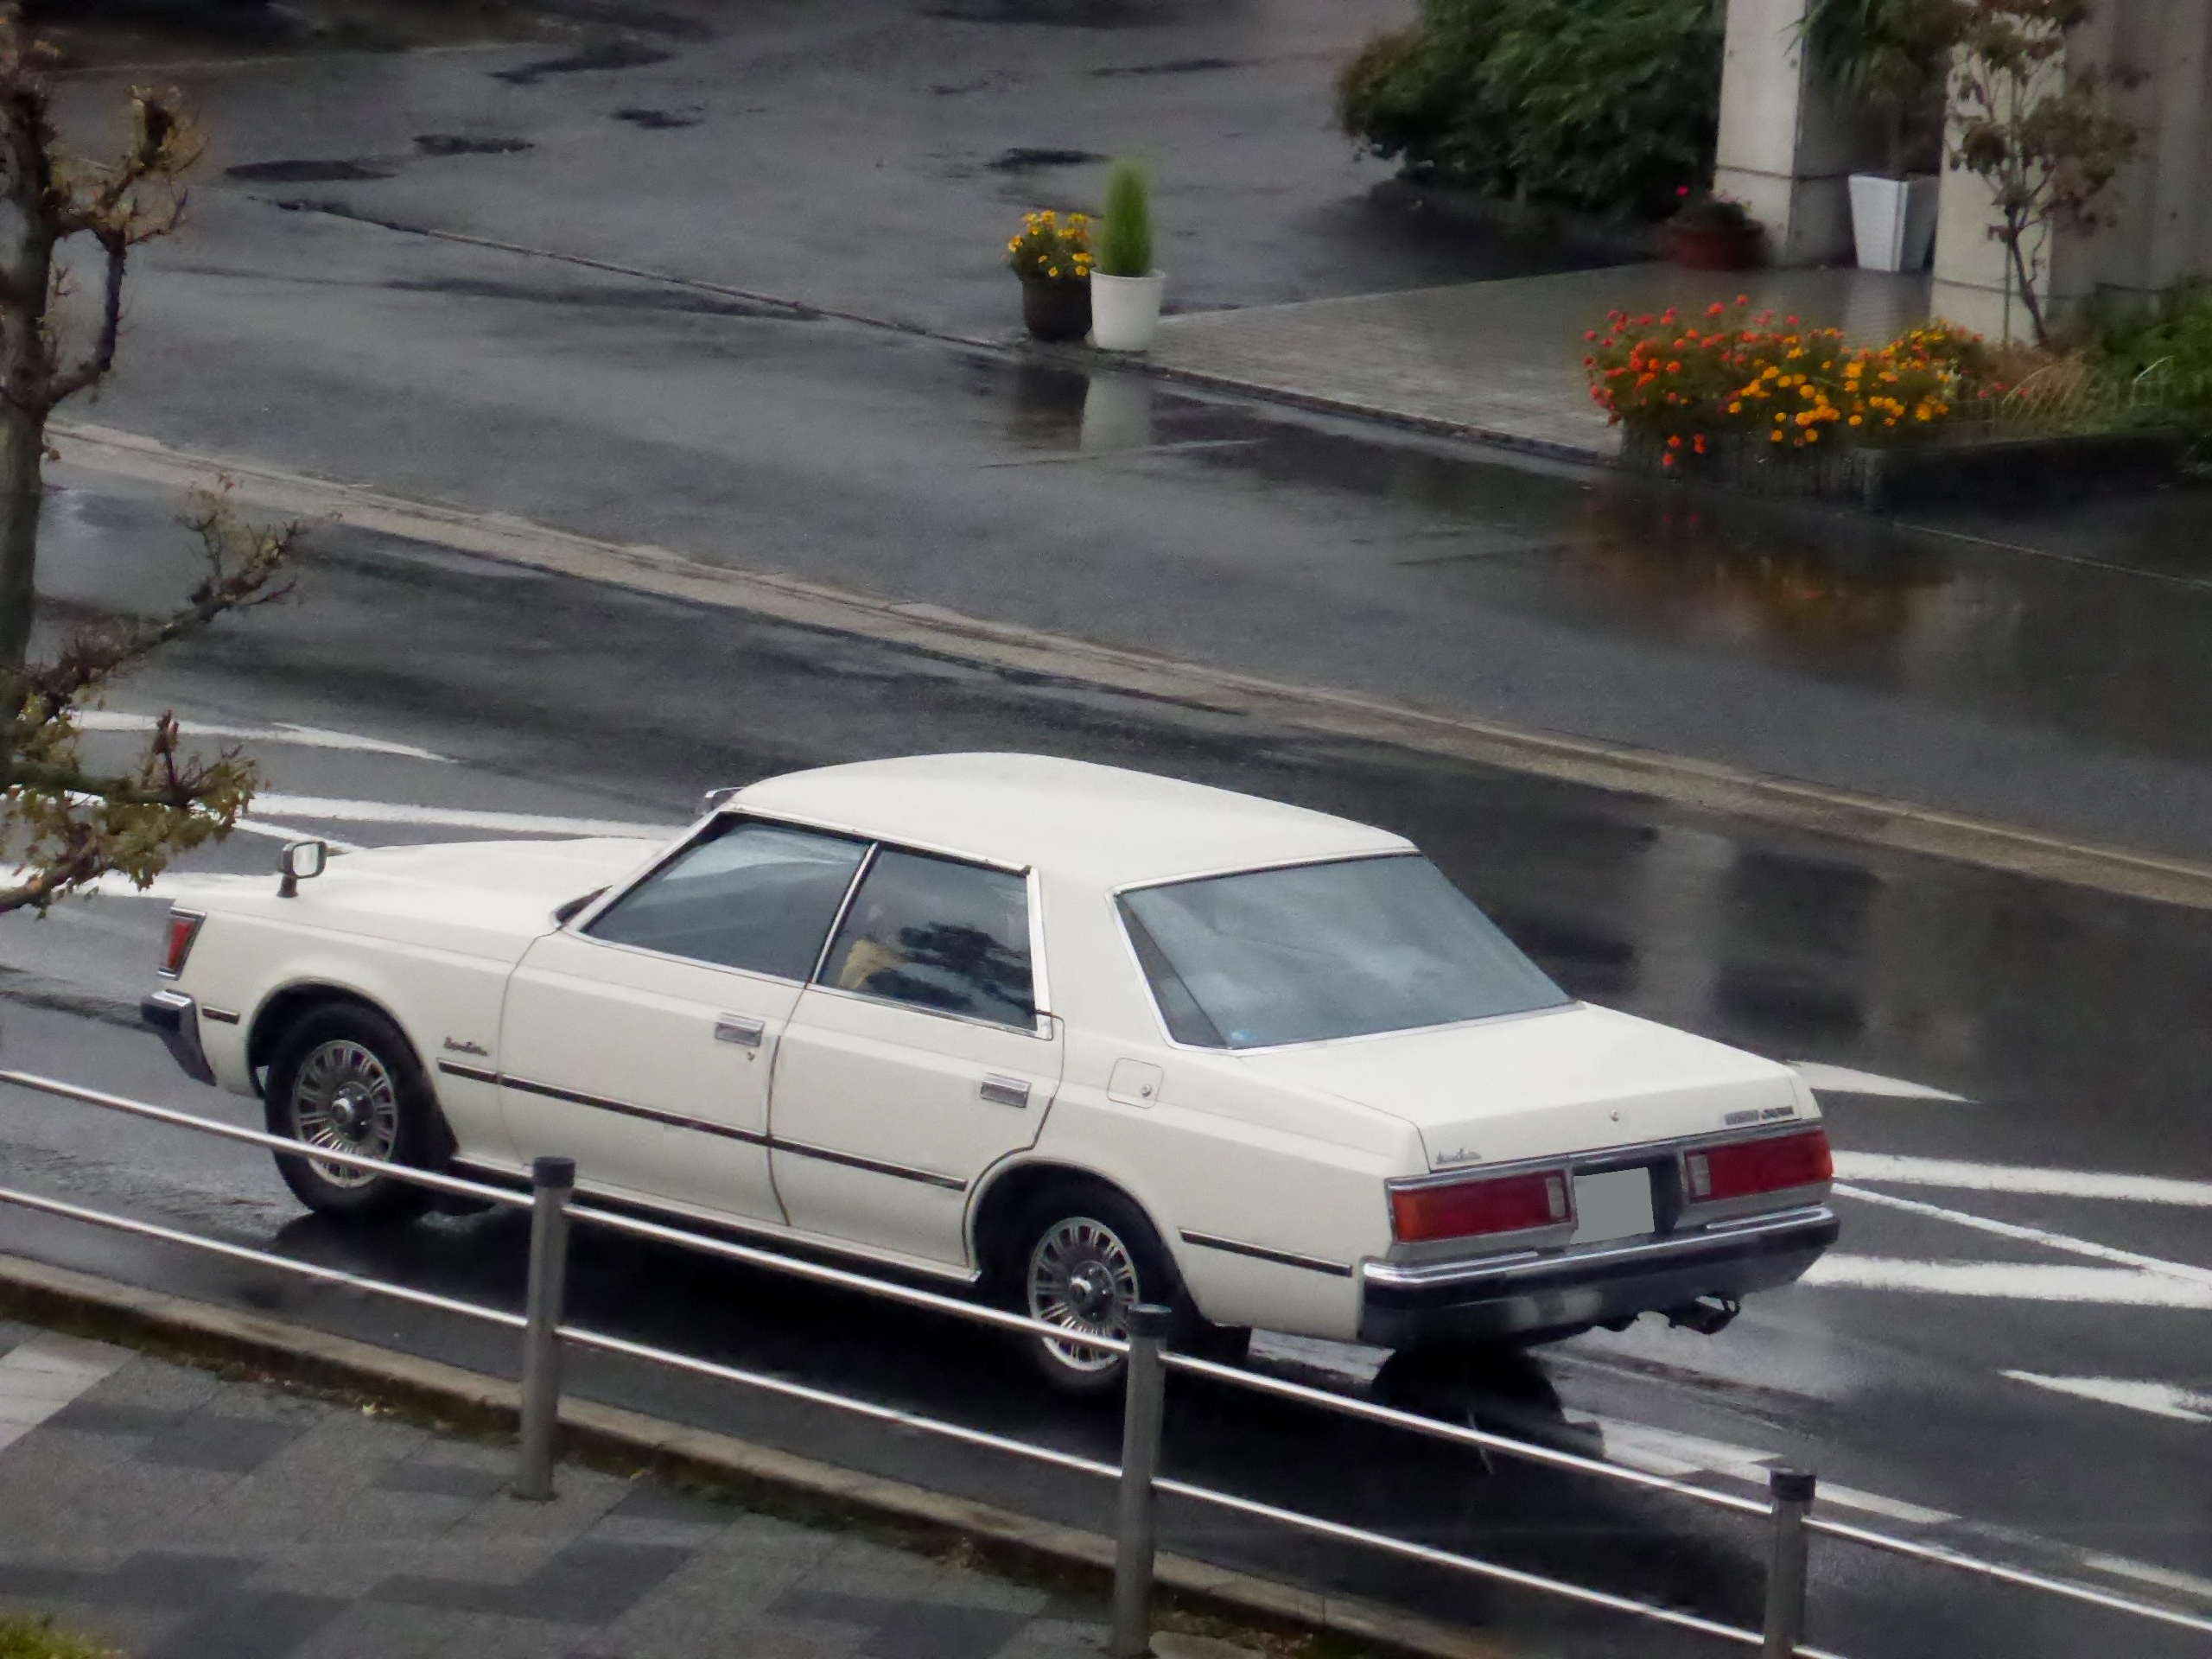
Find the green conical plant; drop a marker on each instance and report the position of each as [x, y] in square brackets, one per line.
[1125, 241]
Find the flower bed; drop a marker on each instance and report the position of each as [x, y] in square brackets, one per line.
[1680, 387]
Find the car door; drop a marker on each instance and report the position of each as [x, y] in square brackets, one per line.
[641, 1043]
[916, 1060]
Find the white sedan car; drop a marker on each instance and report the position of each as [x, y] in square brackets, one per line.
[1073, 1036]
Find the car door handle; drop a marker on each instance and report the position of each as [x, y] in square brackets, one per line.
[739, 1029]
[1004, 1091]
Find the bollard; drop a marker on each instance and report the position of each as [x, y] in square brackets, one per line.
[1145, 1398]
[1792, 1489]
[553, 1181]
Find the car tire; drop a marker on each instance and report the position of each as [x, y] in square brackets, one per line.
[1082, 1255]
[344, 1077]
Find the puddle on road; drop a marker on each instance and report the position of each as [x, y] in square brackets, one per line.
[456, 143]
[1745, 573]
[305, 172]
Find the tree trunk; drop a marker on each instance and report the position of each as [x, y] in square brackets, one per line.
[23, 490]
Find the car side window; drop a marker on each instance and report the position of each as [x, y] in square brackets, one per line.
[748, 894]
[937, 934]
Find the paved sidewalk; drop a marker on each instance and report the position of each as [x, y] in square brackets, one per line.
[181, 1517]
[1503, 358]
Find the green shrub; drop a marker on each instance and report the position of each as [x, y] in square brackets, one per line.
[1605, 105]
[36, 1638]
[1125, 239]
[2165, 358]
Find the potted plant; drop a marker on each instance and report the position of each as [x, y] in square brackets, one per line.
[1052, 255]
[1889, 60]
[1125, 288]
[1711, 233]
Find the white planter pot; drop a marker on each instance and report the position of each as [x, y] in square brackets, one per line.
[1893, 220]
[1124, 311]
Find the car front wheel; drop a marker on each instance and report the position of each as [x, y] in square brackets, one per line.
[345, 1079]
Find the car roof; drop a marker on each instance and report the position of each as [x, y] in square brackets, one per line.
[1104, 825]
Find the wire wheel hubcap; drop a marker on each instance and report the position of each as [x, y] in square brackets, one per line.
[344, 1099]
[1083, 1278]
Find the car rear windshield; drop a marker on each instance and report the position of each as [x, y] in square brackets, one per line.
[1321, 950]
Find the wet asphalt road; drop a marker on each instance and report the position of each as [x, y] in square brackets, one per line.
[2060, 689]
[2070, 1023]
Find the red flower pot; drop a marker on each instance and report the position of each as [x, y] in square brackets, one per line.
[1714, 247]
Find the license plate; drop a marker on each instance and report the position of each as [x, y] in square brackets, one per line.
[1615, 1204]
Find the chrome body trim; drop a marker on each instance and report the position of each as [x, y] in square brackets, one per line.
[743, 1029]
[704, 1126]
[626, 1108]
[1405, 1304]
[221, 1016]
[873, 1166]
[1261, 1253]
[175, 1018]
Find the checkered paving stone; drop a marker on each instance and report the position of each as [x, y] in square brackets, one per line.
[180, 1516]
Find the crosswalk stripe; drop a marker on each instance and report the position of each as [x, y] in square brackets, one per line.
[1823, 1079]
[322, 808]
[2063, 1243]
[2020, 1177]
[2033, 1281]
[281, 732]
[2160, 1399]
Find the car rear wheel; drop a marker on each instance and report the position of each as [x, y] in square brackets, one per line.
[1084, 1256]
[345, 1079]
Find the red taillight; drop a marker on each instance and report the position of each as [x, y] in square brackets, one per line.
[1498, 1203]
[1773, 1164]
[184, 928]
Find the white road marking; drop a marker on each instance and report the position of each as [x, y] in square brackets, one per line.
[2020, 1177]
[284, 832]
[1663, 1452]
[2164, 1577]
[180, 884]
[2027, 1282]
[2013, 1230]
[38, 1377]
[306, 737]
[327, 809]
[2160, 1399]
[1354, 1362]
[1842, 1080]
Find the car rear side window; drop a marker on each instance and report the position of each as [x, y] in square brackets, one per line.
[748, 894]
[1322, 950]
[937, 934]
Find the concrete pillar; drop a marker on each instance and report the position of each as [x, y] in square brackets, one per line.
[1783, 150]
[2158, 232]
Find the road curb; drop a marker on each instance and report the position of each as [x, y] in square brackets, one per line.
[1701, 785]
[98, 1306]
[1011, 345]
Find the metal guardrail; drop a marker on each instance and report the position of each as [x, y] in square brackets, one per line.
[545, 1334]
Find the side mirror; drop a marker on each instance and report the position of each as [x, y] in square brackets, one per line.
[302, 860]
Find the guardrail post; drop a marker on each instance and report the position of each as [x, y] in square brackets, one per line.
[1144, 1399]
[552, 1182]
[1792, 1490]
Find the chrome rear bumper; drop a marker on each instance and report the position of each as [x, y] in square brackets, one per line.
[175, 1018]
[1404, 1305]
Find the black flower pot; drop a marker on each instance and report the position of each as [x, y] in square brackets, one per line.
[1056, 308]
